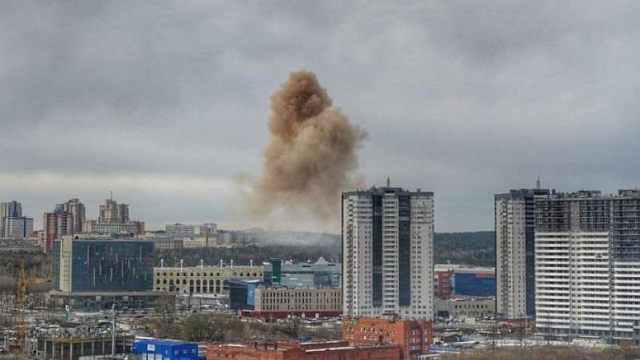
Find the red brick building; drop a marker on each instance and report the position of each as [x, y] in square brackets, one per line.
[413, 336]
[330, 350]
[444, 287]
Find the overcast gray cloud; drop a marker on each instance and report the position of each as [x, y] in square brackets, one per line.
[166, 102]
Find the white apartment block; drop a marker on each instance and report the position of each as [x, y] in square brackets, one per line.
[387, 236]
[515, 253]
[510, 259]
[588, 265]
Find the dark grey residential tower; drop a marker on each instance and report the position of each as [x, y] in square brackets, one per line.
[515, 252]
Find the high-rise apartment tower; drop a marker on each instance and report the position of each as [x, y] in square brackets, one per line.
[12, 223]
[387, 244]
[588, 265]
[65, 219]
[515, 253]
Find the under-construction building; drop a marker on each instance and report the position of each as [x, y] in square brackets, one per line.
[587, 257]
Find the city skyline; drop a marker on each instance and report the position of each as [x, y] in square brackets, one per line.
[92, 213]
[169, 103]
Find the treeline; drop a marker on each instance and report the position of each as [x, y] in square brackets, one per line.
[243, 255]
[229, 328]
[472, 248]
[37, 268]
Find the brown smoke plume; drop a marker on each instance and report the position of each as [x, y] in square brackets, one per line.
[311, 157]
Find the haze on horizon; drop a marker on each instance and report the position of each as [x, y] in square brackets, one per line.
[165, 103]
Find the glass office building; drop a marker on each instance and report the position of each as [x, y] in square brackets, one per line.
[104, 265]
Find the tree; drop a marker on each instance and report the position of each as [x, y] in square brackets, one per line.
[199, 327]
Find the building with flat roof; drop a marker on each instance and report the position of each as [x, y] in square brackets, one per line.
[282, 302]
[88, 265]
[474, 282]
[328, 350]
[13, 245]
[387, 247]
[202, 279]
[466, 306]
[321, 273]
[413, 336]
[180, 230]
[587, 247]
[464, 280]
[152, 349]
[69, 348]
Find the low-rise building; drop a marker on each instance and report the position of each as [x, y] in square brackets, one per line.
[180, 230]
[202, 279]
[465, 306]
[281, 302]
[165, 243]
[82, 348]
[13, 245]
[129, 227]
[329, 350]
[322, 273]
[151, 349]
[456, 279]
[413, 336]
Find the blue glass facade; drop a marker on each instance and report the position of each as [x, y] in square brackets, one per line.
[112, 265]
[242, 294]
[474, 284]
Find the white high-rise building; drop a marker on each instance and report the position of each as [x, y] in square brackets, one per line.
[12, 223]
[11, 209]
[588, 265]
[515, 253]
[387, 244]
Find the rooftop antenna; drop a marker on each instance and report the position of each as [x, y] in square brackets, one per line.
[388, 181]
[111, 195]
[538, 183]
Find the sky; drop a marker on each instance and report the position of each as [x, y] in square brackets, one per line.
[166, 103]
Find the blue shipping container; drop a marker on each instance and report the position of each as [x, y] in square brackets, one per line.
[166, 350]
